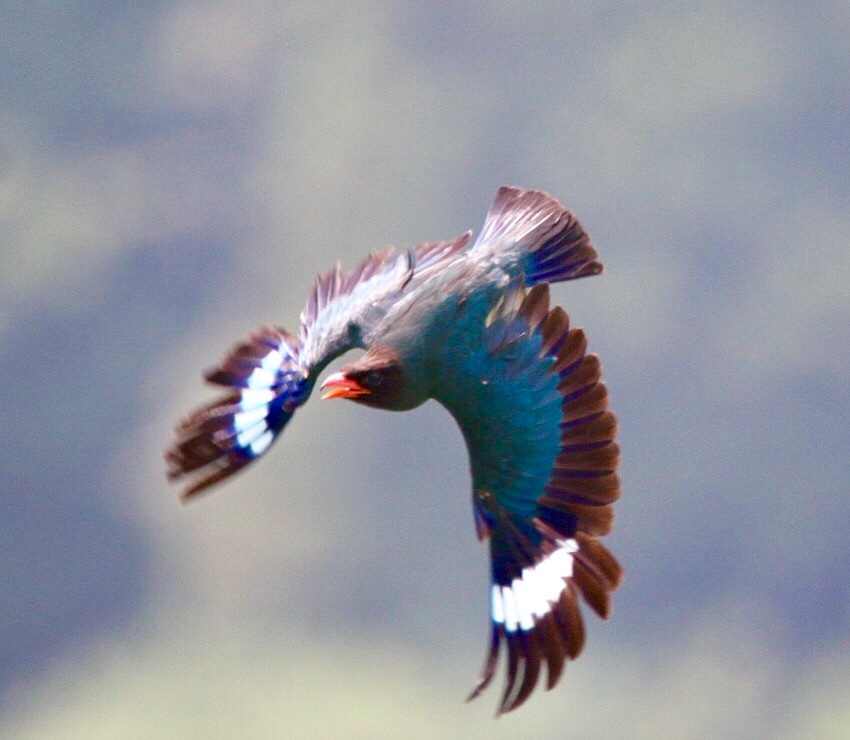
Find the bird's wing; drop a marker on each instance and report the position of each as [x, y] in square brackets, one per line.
[342, 309]
[273, 372]
[535, 418]
[529, 233]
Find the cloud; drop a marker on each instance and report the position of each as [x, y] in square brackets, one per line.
[794, 318]
[646, 125]
[63, 218]
[215, 55]
[67, 217]
[822, 709]
[209, 681]
[193, 674]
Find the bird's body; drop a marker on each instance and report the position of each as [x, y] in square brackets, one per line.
[472, 329]
[441, 321]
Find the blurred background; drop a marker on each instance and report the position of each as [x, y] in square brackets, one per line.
[174, 174]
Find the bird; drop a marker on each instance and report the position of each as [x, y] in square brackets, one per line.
[472, 328]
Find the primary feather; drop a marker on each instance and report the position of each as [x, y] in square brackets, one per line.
[472, 329]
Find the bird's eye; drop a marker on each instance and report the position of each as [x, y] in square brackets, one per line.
[374, 378]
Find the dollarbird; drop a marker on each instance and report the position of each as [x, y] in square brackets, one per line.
[470, 327]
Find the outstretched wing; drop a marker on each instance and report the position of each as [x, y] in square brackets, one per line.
[273, 372]
[541, 444]
[266, 383]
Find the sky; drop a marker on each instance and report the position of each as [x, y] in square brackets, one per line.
[175, 174]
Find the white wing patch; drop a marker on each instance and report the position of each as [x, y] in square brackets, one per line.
[244, 420]
[272, 361]
[261, 444]
[533, 594]
[261, 378]
[253, 398]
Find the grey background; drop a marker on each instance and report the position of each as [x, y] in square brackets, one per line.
[173, 176]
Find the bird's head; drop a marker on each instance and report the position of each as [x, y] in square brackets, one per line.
[378, 379]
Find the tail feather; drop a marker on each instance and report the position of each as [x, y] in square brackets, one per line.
[534, 234]
[564, 254]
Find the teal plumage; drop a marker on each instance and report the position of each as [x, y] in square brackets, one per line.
[472, 329]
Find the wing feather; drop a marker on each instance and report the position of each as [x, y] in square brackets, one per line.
[543, 458]
[273, 372]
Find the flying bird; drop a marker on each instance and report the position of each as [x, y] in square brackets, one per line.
[470, 327]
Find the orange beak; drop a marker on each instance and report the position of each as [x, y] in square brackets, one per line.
[340, 386]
